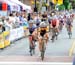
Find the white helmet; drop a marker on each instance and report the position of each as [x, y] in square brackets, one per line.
[43, 24]
[31, 21]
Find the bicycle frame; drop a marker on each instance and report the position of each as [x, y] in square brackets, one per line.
[54, 34]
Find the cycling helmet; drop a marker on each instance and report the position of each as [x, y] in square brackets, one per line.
[43, 24]
[31, 22]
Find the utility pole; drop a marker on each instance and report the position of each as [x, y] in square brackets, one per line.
[40, 5]
[35, 7]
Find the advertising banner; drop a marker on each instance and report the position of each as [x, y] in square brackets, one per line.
[2, 40]
[6, 41]
[13, 35]
[20, 32]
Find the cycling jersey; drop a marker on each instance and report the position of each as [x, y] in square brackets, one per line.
[61, 21]
[31, 29]
[54, 22]
[37, 22]
[43, 31]
[68, 22]
[49, 19]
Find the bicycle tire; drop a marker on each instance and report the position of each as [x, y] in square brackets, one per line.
[42, 56]
[42, 52]
[70, 35]
[53, 38]
[54, 34]
[32, 49]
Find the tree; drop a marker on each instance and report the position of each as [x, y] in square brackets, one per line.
[66, 3]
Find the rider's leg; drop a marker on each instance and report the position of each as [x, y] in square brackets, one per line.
[57, 30]
[47, 37]
[31, 43]
[34, 34]
[40, 45]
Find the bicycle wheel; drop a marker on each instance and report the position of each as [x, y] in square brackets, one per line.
[32, 49]
[53, 38]
[42, 51]
[70, 35]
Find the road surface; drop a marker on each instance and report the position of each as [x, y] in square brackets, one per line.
[19, 50]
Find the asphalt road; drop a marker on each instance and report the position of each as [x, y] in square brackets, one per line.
[60, 48]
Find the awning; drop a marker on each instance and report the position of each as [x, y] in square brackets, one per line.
[25, 7]
[3, 6]
[12, 6]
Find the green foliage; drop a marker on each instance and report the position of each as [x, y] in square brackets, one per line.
[61, 7]
[69, 6]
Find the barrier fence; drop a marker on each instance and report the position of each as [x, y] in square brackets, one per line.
[8, 36]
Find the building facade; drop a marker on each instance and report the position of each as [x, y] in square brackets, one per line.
[27, 2]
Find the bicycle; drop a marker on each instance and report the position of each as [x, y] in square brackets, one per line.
[54, 34]
[69, 31]
[43, 48]
[32, 45]
[61, 27]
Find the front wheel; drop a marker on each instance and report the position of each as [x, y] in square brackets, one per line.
[53, 37]
[32, 48]
[42, 52]
[70, 35]
[42, 55]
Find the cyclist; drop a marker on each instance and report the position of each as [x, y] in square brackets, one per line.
[49, 20]
[44, 16]
[42, 33]
[33, 32]
[69, 24]
[37, 19]
[61, 23]
[55, 25]
[72, 17]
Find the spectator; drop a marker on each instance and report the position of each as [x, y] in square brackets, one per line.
[2, 28]
[29, 17]
[8, 24]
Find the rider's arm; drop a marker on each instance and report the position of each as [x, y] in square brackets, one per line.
[57, 24]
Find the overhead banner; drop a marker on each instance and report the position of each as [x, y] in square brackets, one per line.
[12, 6]
[1, 40]
[3, 6]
